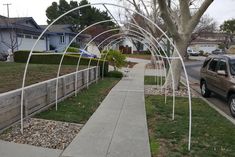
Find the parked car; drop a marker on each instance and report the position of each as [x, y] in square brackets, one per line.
[191, 52]
[217, 52]
[218, 76]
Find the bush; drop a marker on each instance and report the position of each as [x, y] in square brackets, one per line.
[116, 58]
[22, 56]
[201, 52]
[115, 73]
[73, 49]
[76, 45]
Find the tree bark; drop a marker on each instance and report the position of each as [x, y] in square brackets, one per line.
[176, 65]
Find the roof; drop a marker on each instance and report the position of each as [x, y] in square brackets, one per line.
[59, 28]
[206, 41]
[20, 23]
[17, 21]
[209, 38]
[63, 28]
[98, 29]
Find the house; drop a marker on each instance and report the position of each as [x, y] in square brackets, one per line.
[20, 34]
[60, 37]
[207, 41]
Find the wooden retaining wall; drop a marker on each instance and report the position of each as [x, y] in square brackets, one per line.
[40, 96]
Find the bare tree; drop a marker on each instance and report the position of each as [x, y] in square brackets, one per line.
[9, 37]
[180, 18]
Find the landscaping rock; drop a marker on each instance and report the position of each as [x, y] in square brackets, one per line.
[156, 90]
[43, 133]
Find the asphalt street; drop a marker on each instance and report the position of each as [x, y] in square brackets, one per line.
[193, 71]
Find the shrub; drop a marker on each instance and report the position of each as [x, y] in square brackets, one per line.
[22, 56]
[116, 58]
[115, 73]
[76, 45]
[201, 52]
[73, 49]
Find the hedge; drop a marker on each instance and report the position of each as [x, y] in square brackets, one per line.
[22, 56]
[115, 73]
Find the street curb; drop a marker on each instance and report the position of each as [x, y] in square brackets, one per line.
[210, 104]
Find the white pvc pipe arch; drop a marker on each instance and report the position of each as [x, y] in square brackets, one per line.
[152, 54]
[110, 4]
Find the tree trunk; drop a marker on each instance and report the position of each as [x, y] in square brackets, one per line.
[175, 64]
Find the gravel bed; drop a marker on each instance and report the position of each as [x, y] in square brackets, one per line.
[156, 90]
[43, 133]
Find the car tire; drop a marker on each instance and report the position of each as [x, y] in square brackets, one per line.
[231, 104]
[204, 90]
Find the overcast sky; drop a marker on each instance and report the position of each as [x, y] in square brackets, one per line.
[220, 10]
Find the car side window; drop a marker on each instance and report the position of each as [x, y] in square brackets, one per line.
[213, 65]
[222, 65]
[207, 60]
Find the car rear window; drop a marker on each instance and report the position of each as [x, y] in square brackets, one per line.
[206, 62]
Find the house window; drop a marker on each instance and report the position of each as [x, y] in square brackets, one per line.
[62, 39]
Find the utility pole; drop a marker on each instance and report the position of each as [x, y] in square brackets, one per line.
[7, 4]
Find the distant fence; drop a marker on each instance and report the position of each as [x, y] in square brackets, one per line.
[41, 96]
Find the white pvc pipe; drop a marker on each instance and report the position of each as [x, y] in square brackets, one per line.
[181, 59]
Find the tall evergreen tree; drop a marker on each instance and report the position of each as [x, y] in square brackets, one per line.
[80, 18]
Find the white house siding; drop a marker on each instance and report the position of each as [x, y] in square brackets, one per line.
[55, 42]
[5, 38]
[206, 47]
[27, 44]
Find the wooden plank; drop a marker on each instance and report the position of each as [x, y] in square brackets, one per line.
[48, 100]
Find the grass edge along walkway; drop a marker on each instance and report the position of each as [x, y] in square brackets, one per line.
[212, 134]
[79, 109]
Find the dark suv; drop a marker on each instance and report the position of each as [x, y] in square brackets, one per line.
[218, 76]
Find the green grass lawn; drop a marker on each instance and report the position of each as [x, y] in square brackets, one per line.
[152, 80]
[11, 74]
[79, 109]
[212, 134]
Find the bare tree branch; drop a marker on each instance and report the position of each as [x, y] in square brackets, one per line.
[165, 14]
[184, 11]
[145, 7]
[196, 17]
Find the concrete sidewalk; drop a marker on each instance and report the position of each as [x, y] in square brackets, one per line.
[118, 128]
[10, 149]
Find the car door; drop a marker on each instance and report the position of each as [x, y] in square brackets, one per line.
[211, 77]
[221, 79]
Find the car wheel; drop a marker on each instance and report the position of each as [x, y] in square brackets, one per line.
[204, 90]
[231, 103]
